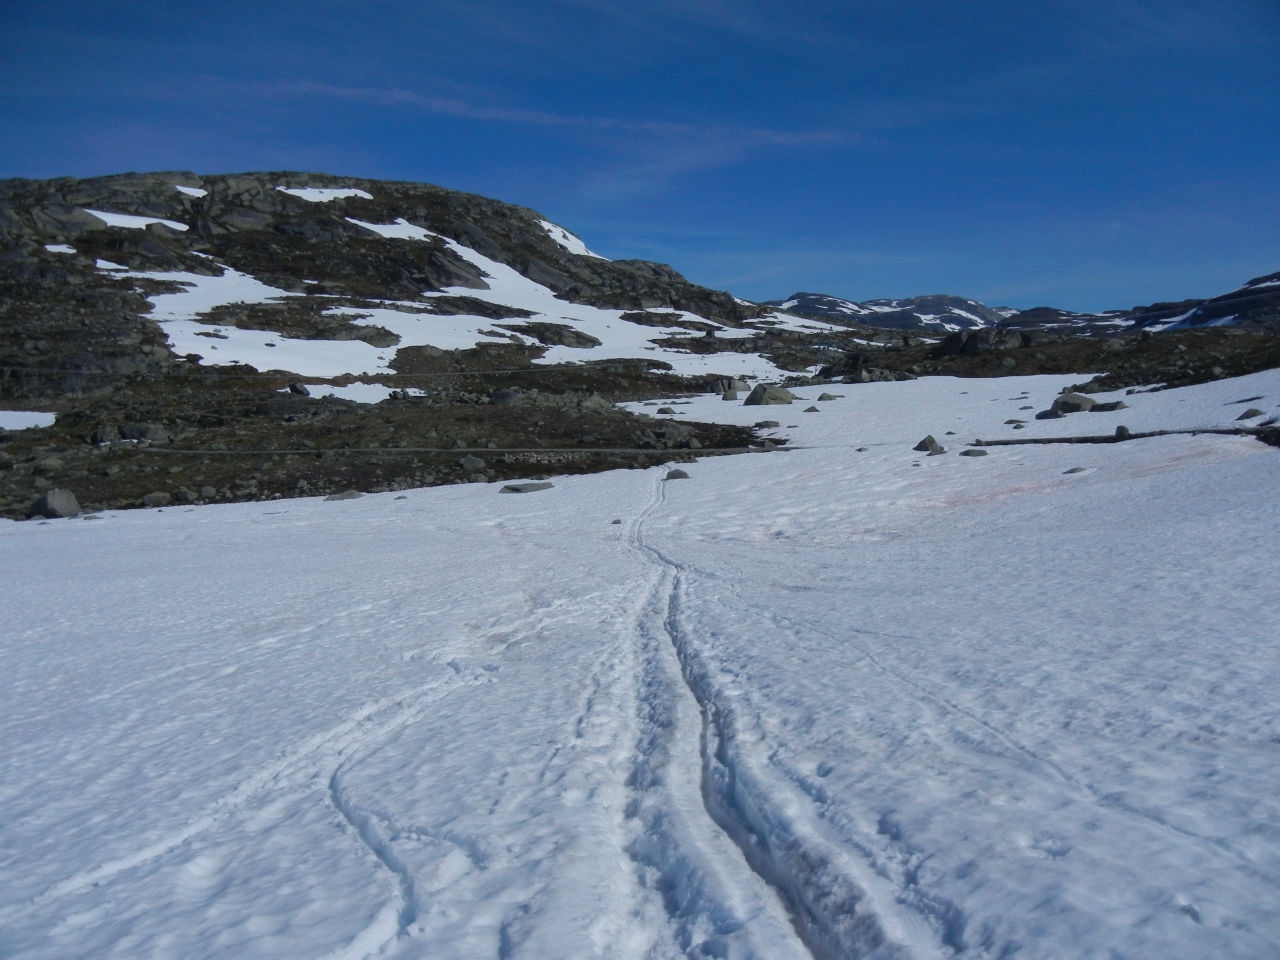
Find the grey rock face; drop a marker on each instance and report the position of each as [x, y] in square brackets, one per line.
[765, 394]
[55, 504]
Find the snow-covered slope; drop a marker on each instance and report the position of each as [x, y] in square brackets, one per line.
[843, 701]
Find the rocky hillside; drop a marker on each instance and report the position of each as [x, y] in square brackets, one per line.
[188, 338]
[229, 337]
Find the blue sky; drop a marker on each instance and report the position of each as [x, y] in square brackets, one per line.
[1082, 154]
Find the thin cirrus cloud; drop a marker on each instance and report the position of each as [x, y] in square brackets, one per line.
[456, 107]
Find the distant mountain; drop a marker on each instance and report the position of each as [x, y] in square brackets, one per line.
[1256, 304]
[940, 313]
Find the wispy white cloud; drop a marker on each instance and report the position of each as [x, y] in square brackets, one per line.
[466, 109]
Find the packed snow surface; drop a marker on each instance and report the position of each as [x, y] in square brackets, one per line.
[831, 702]
[191, 191]
[59, 248]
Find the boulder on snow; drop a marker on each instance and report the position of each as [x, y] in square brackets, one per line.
[56, 503]
[345, 495]
[1073, 403]
[676, 474]
[531, 487]
[765, 394]
[1250, 414]
[930, 446]
[973, 452]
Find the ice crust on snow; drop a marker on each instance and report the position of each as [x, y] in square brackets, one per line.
[948, 706]
[324, 194]
[132, 221]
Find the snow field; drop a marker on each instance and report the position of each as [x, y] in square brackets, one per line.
[810, 703]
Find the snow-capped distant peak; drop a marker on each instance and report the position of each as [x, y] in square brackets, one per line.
[324, 194]
[567, 240]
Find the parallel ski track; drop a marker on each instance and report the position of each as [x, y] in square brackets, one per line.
[838, 907]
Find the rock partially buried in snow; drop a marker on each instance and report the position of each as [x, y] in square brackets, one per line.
[811, 410]
[55, 504]
[676, 474]
[930, 446]
[1250, 414]
[973, 452]
[345, 495]
[1073, 403]
[531, 487]
[765, 394]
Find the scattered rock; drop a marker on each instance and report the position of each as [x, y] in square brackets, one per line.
[810, 410]
[930, 446]
[1108, 407]
[729, 395]
[345, 495]
[471, 464]
[676, 474]
[1250, 414]
[615, 521]
[1074, 470]
[1122, 432]
[827, 396]
[667, 411]
[530, 487]
[766, 424]
[55, 504]
[973, 452]
[300, 389]
[157, 498]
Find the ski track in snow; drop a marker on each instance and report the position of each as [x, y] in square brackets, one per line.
[837, 906]
[317, 763]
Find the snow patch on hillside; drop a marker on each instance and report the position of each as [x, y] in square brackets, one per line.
[133, 222]
[324, 194]
[567, 240]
